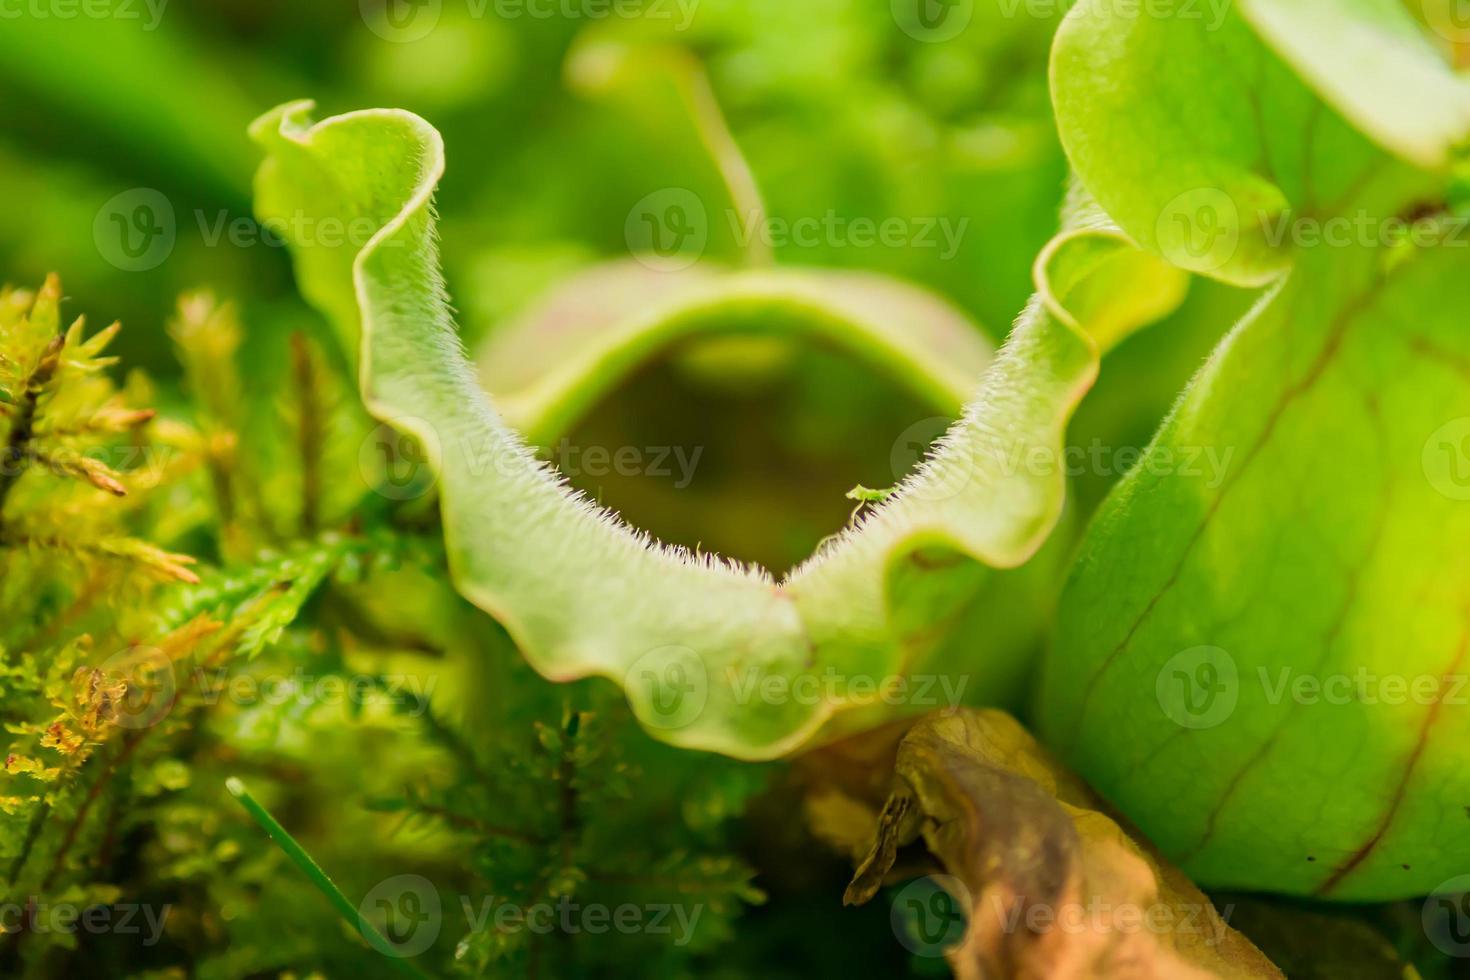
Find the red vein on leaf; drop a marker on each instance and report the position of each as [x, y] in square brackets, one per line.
[1342, 871]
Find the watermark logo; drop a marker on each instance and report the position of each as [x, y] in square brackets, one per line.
[406, 910]
[668, 229]
[571, 918]
[135, 231]
[400, 466]
[406, 21]
[138, 230]
[401, 21]
[1363, 688]
[407, 694]
[670, 686]
[932, 21]
[1199, 687]
[929, 916]
[396, 464]
[70, 919]
[1364, 228]
[751, 685]
[150, 12]
[146, 462]
[668, 462]
[1446, 917]
[910, 449]
[1097, 915]
[1002, 456]
[1199, 230]
[298, 228]
[403, 917]
[832, 230]
[1210, 13]
[1446, 459]
[138, 686]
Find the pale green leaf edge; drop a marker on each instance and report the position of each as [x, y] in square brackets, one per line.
[1372, 62]
[936, 360]
[1213, 194]
[582, 593]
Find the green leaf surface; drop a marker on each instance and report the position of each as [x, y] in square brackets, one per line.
[1206, 146]
[696, 642]
[1372, 62]
[1225, 636]
[1267, 670]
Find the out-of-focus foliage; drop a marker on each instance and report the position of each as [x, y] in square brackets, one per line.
[835, 109]
[214, 562]
[559, 127]
[124, 158]
[135, 679]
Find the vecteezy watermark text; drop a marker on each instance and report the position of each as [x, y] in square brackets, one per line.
[408, 911]
[1202, 686]
[930, 916]
[399, 466]
[832, 686]
[935, 21]
[833, 230]
[138, 229]
[149, 12]
[1003, 458]
[407, 21]
[1211, 13]
[409, 693]
[69, 919]
[669, 230]
[1202, 229]
[670, 686]
[566, 916]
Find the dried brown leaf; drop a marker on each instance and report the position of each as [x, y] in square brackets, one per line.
[1053, 886]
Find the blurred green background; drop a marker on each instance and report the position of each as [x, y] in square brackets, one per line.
[835, 106]
[126, 167]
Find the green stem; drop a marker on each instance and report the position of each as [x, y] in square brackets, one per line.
[324, 884]
[714, 133]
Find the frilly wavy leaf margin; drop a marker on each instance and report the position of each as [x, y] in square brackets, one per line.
[583, 594]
